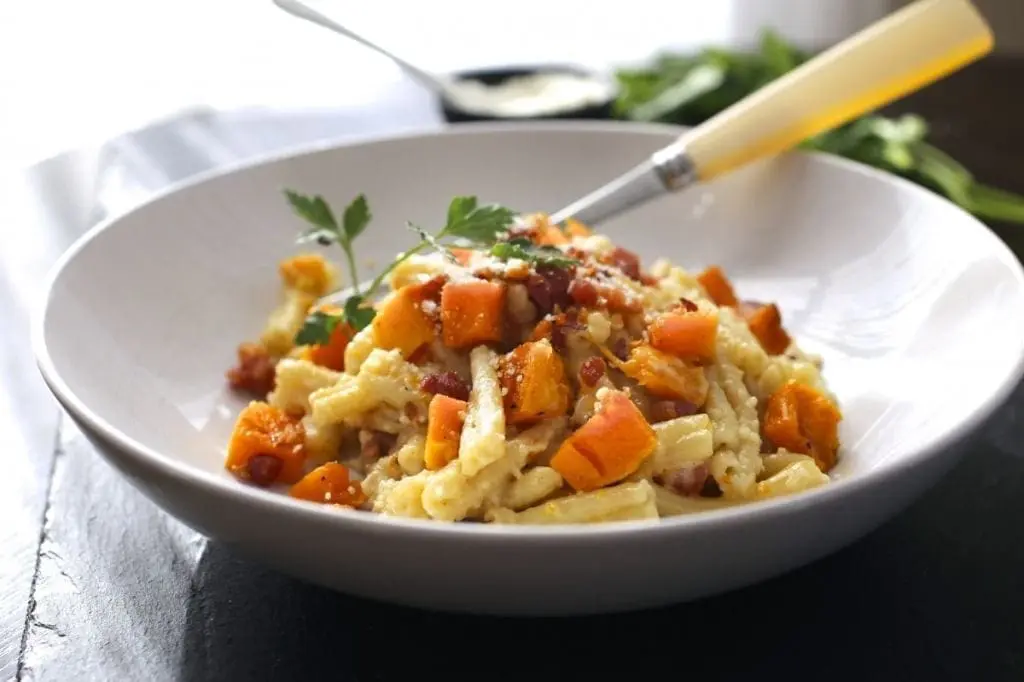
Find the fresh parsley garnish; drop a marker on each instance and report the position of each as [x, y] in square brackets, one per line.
[325, 229]
[467, 222]
[317, 213]
[357, 312]
[479, 225]
[317, 328]
[524, 249]
[357, 217]
[430, 240]
[690, 88]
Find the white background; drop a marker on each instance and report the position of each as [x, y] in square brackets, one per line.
[74, 72]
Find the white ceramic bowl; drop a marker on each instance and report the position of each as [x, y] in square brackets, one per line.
[915, 306]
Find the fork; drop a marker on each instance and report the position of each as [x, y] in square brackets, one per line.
[900, 54]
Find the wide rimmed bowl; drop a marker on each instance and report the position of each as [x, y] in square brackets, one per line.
[915, 306]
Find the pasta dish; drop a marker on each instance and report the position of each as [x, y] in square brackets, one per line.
[505, 369]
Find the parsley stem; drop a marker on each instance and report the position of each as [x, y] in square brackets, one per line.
[351, 258]
[404, 256]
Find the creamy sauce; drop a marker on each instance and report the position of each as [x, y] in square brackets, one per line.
[532, 95]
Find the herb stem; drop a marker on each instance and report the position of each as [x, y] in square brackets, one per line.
[351, 258]
[404, 256]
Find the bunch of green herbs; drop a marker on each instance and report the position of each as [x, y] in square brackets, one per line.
[688, 89]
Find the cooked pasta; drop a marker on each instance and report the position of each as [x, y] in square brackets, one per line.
[542, 377]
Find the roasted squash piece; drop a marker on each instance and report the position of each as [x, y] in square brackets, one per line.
[471, 312]
[801, 419]
[610, 446]
[329, 483]
[309, 273]
[445, 418]
[402, 322]
[718, 286]
[575, 228]
[686, 334]
[463, 256]
[331, 354]
[534, 384]
[551, 235]
[264, 430]
[665, 376]
[765, 322]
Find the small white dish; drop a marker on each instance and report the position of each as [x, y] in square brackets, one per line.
[914, 305]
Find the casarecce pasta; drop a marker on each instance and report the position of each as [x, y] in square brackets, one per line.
[538, 376]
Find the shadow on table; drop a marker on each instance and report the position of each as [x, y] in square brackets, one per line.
[893, 606]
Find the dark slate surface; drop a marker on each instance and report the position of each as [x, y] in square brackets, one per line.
[110, 588]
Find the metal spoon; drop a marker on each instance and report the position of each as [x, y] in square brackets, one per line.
[301, 10]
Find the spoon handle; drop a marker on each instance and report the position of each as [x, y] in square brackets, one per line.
[304, 11]
[900, 54]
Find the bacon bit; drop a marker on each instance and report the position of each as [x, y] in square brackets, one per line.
[555, 329]
[540, 293]
[648, 280]
[558, 340]
[620, 348]
[445, 383]
[549, 288]
[577, 254]
[688, 305]
[254, 373]
[583, 292]
[264, 469]
[413, 414]
[665, 410]
[688, 481]
[421, 355]
[542, 330]
[591, 371]
[616, 299]
[429, 290]
[711, 488]
[560, 330]
[374, 444]
[627, 261]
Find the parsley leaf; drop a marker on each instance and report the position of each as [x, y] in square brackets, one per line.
[466, 220]
[326, 230]
[317, 328]
[524, 249]
[357, 216]
[459, 208]
[481, 225]
[357, 313]
[315, 211]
